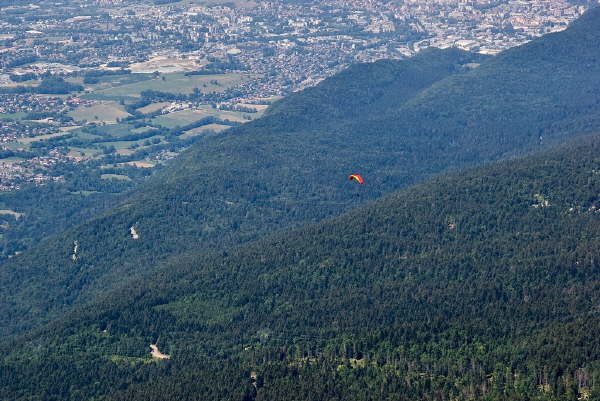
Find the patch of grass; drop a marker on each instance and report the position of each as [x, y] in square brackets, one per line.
[106, 112]
[84, 135]
[153, 107]
[99, 96]
[109, 81]
[112, 130]
[83, 152]
[141, 130]
[28, 140]
[178, 83]
[181, 118]
[126, 144]
[202, 130]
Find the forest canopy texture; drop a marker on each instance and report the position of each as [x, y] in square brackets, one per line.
[264, 274]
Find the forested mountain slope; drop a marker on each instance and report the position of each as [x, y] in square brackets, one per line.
[480, 286]
[217, 197]
[421, 117]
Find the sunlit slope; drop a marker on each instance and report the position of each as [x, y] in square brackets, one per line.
[482, 285]
[394, 122]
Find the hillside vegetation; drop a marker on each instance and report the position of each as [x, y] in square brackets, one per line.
[421, 116]
[480, 286]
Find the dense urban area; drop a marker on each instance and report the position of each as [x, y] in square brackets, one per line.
[120, 86]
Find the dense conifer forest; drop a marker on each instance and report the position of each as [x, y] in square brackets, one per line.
[481, 285]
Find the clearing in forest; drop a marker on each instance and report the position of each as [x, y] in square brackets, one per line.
[157, 354]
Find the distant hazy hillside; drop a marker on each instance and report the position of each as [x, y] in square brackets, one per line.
[394, 122]
[480, 286]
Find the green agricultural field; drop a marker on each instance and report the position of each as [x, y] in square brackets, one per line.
[109, 81]
[87, 153]
[181, 118]
[126, 144]
[108, 111]
[28, 140]
[153, 107]
[103, 97]
[84, 135]
[141, 129]
[177, 83]
[113, 130]
[202, 130]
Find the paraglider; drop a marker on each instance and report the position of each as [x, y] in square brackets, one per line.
[357, 178]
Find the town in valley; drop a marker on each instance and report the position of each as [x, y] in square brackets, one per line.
[120, 87]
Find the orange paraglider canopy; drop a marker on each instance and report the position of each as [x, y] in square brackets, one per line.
[357, 178]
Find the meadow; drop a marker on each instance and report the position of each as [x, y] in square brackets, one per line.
[105, 111]
[180, 118]
[203, 130]
[177, 83]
